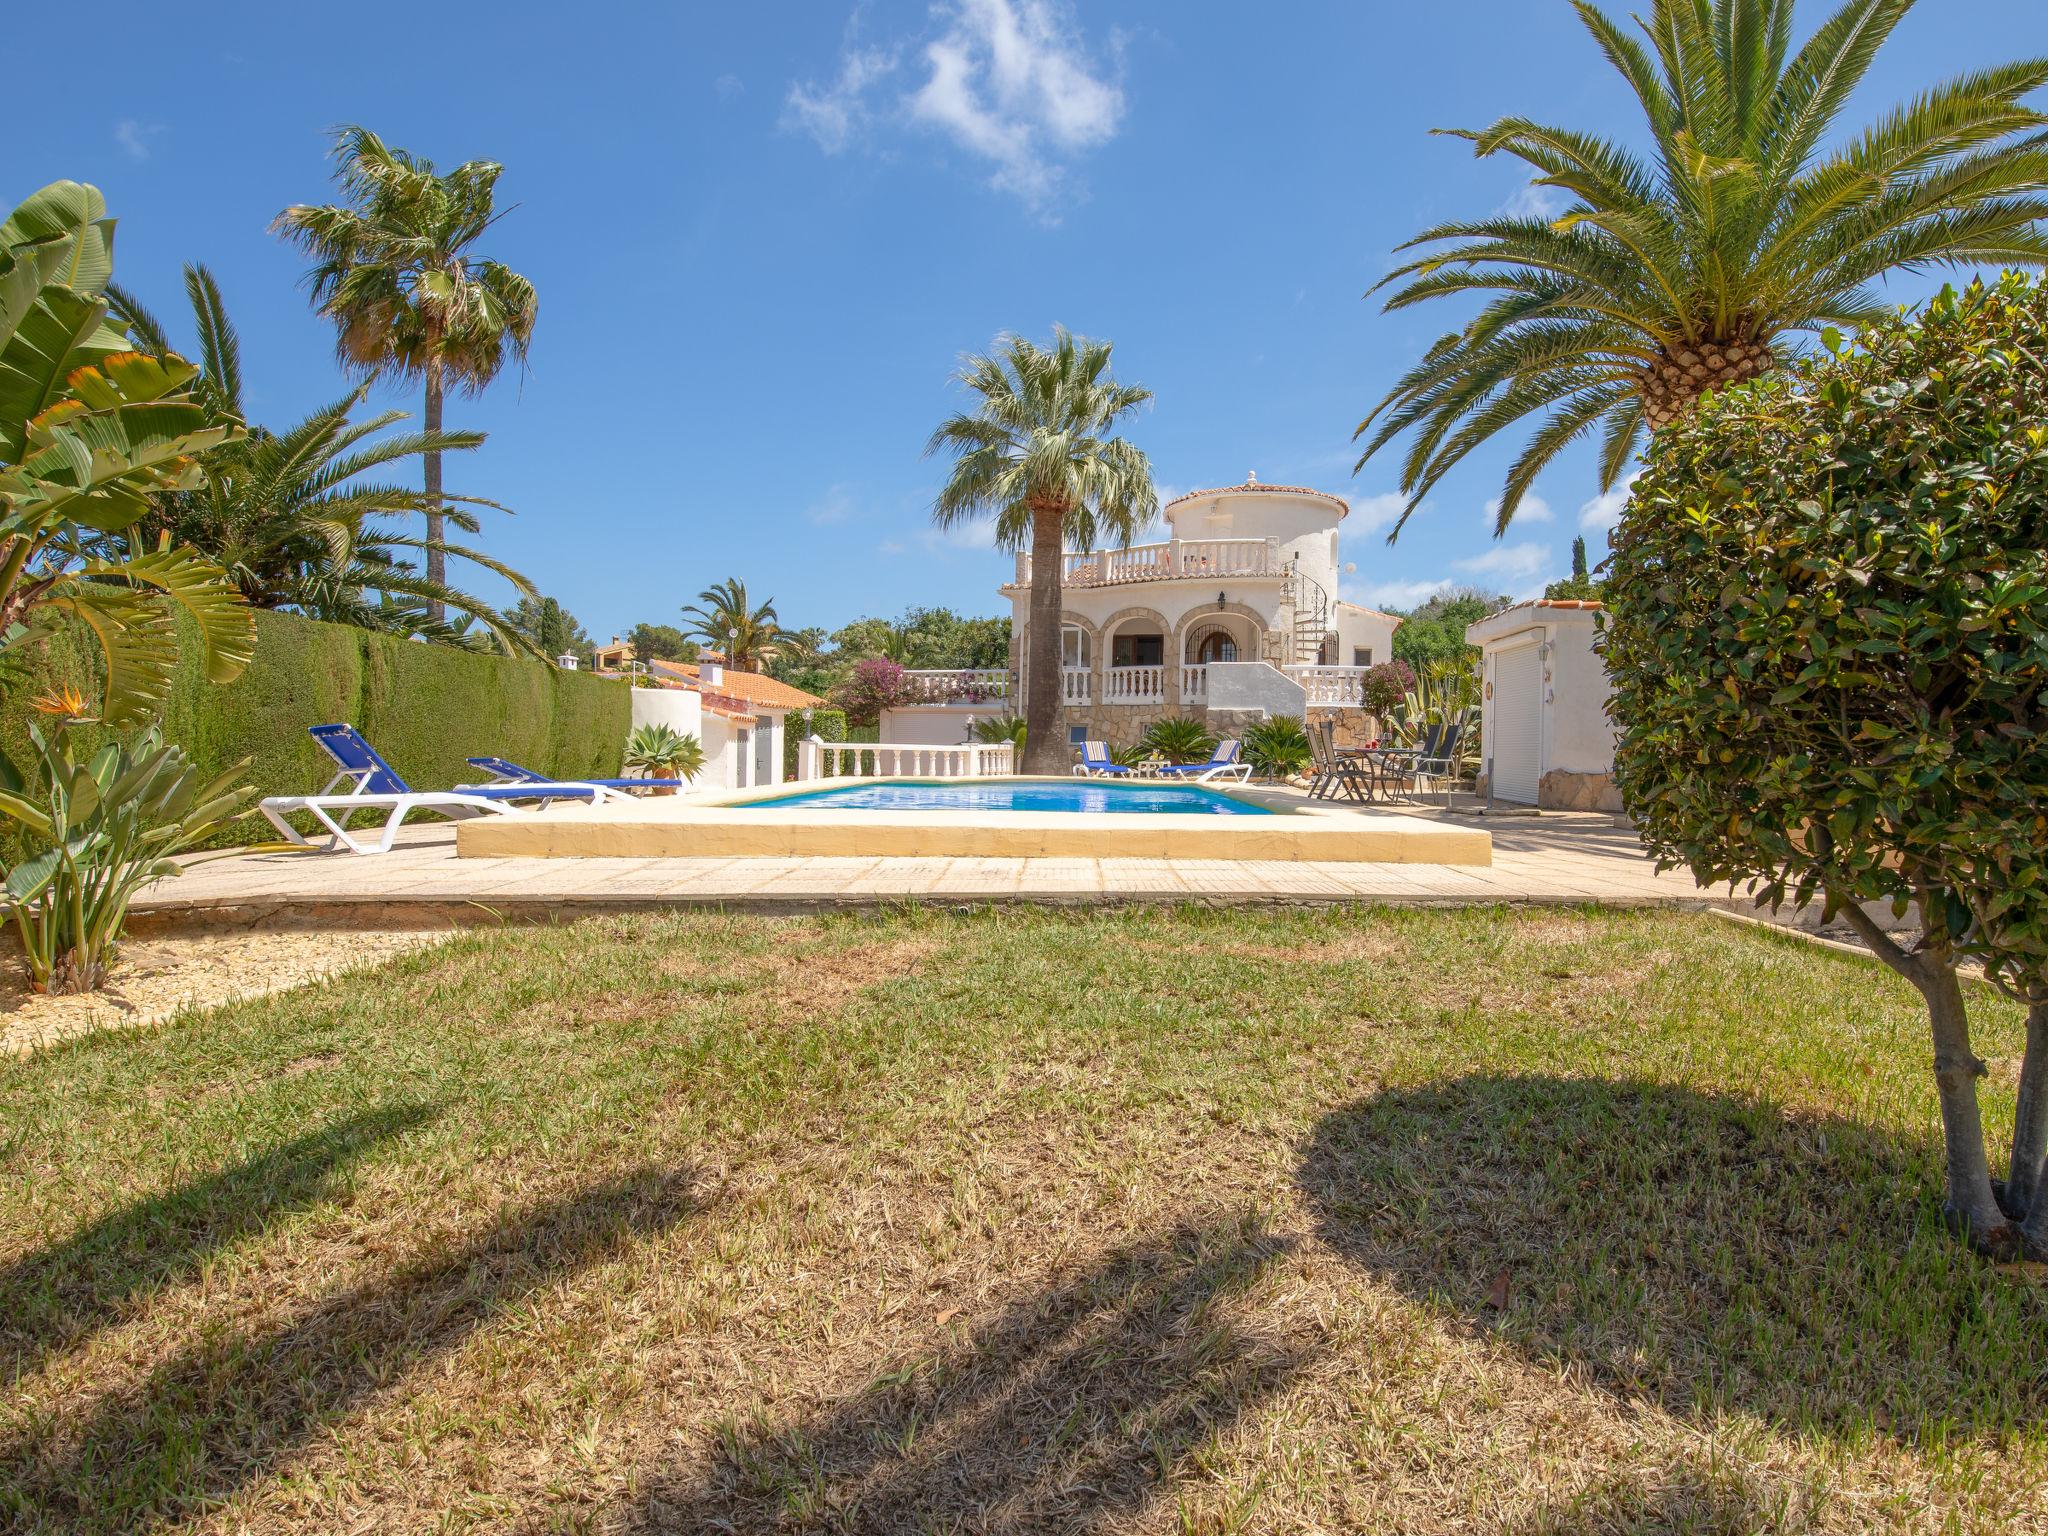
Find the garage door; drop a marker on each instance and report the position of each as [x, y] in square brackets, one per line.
[1517, 745]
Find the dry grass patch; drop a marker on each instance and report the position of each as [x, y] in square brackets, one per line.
[1018, 1222]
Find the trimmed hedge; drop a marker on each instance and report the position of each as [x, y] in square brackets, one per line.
[424, 707]
[824, 723]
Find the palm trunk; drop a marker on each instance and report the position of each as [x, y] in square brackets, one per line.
[2030, 1129]
[1045, 747]
[437, 565]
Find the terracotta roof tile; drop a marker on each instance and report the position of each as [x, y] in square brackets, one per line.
[1343, 506]
[744, 688]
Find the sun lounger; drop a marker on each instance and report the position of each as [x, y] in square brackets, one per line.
[1224, 763]
[1096, 762]
[505, 771]
[374, 785]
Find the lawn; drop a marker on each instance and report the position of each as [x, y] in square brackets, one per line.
[1210, 1221]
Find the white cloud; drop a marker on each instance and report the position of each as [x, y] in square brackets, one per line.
[1604, 511]
[1519, 568]
[835, 506]
[1534, 202]
[728, 87]
[134, 137]
[893, 547]
[1009, 81]
[1395, 594]
[834, 114]
[1533, 509]
[1369, 514]
[977, 535]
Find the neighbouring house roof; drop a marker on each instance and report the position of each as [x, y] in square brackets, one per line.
[1254, 485]
[1521, 615]
[755, 689]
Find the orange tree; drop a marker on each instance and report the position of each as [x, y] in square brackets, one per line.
[1828, 636]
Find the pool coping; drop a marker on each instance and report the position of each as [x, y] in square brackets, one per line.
[723, 824]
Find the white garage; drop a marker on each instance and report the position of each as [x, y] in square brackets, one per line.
[1545, 737]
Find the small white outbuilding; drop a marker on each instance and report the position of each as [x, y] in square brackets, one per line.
[1545, 738]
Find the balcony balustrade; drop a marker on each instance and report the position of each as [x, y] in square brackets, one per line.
[1178, 559]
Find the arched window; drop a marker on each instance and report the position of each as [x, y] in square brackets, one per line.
[1212, 643]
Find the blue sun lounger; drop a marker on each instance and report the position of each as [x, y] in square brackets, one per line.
[374, 785]
[1096, 761]
[505, 771]
[1223, 764]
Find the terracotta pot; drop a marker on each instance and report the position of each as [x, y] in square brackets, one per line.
[664, 773]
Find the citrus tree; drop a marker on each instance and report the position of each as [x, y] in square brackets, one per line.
[1828, 637]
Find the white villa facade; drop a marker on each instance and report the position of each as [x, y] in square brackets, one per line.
[1233, 619]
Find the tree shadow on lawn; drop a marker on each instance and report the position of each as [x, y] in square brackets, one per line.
[1067, 1410]
[1704, 1251]
[53, 1298]
[221, 1414]
[1688, 1502]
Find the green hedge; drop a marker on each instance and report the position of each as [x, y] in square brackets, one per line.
[826, 724]
[424, 707]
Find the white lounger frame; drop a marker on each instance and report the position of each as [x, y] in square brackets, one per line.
[453, 804]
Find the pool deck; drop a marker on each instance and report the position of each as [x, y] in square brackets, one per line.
[1555, 859]
[757, 824]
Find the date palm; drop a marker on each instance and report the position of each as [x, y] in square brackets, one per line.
[1034, 454]
[299, 518]
[746, 632]
[395, 271]
[1676, 272]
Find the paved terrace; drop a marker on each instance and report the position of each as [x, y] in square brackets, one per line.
[1553, 859]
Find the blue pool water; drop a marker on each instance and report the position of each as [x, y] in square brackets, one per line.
[1090, 795]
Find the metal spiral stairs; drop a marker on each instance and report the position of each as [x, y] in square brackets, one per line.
[1309, 605]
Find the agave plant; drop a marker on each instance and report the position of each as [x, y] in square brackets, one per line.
[1443, 691]
[663, 752]
[300, 518]
[91, 430]
[1179, 739]
[102, 829]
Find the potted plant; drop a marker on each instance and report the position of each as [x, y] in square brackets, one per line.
[663, 752]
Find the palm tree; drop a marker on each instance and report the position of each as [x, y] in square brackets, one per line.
[1033, 453]
[1670, 276]
[292, 516]
[747, 634]
[394, 271]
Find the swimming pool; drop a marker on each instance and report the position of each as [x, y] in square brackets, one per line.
[1081, 796]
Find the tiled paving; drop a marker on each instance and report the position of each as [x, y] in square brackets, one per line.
[1550, 859]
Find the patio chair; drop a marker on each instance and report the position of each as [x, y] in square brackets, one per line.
[505, 771]
[1097, 763]
[1224, 763]
[374, 785]
[1332, 774]
[1434, 756]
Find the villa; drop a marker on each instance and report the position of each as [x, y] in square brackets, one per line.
[1234, 619]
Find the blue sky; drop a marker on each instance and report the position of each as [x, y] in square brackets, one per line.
[763, 234]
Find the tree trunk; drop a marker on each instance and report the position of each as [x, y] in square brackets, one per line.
[437, 565]
[1971, 1205]
[1045, 746]
[1672, 384]
[2030, 1129]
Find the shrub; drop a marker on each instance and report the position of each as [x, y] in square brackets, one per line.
[1179, 740]
[876, 684]
[825, 723]
[1386, 685]
[997, 729]
[1278, 747]
[1828, 636]
[99, 825]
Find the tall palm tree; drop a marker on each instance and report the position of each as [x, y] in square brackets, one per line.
[1672, 274]
[394, 270]
[1033, 453]
[747, 633]
[294, 517]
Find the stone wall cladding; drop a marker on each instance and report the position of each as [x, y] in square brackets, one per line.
[1562, 790]
[1355, 727]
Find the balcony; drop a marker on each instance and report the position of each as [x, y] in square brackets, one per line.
[1322, 687]
[1176, 560]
